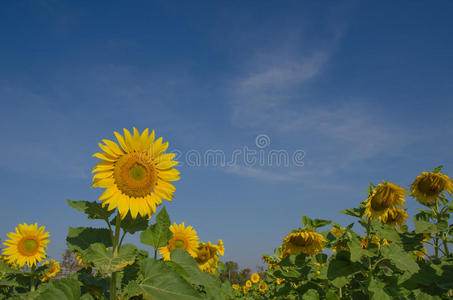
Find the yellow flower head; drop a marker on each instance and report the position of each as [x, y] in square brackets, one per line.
[248, 284]
[235, 287]
[26, 245]
[303, 241]
[262, 287]
[208, 256]
[245, 289]
[337, 231]
[395, 217]
[341, 246]
[184, 238]
[385, 196]
[374, 240]
[427, 187]
[280, 280]
[255, 277]
[52, 271]
[136, 173]
[421, 253]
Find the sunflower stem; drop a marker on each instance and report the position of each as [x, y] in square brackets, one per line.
[113, 278]
[32, 279]
[155, 253]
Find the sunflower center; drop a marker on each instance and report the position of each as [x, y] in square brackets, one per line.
[382, 200]
[430, 187]
[28, 246]
[135, 175]
[137, 172]
[179, 244]
[299, 241]
[203, 255]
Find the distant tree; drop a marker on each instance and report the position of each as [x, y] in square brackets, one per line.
[231, 272]
[69, 264]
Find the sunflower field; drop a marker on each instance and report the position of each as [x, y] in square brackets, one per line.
[376, 257]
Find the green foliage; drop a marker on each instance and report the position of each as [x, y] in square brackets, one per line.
[104, 259]
[94, 210]
[81, 238]
[158, 234]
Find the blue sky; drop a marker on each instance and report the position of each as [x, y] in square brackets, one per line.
[363, 88]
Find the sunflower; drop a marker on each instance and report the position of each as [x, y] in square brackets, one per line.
[280, 280]
[303, 241]
[248, 284]
[420, 253]
[262, 287]
[26, 245]
[207, 256]
[245, 289]
[184, 238]
[136, 173]
[52, 271]
[255, 277]
[385, 196]
[395, 217]
[374, 240]
[337, 231]
[235, 287]
[427, 187]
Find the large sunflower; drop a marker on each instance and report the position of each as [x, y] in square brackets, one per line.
[184, 238]
[136, 173]
[303, 241]
[26, 245]
[208, 256]
[385, 196]
[427, 187]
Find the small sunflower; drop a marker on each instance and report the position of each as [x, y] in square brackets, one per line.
[136, 173]
[235, 287]
[303, 241]
[52, 271]
[395, 217]
[26, 245]
[255, 277]
[248, 284]
[374, 240]
[420, 253]
[279, 280]
[385, 196]
[208, 256]
[184, 238]
[337, 231]
[427, 187]
[262, 287]
[245, 289]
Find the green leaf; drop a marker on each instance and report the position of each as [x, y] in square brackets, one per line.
[320, 223]
[60, 289]
[339, 269]
[105, 262]
[355, 212]
[307, 222]
[422, 223]
[132, 225]
[438, 169]
[311, 294]
[94, 210]
[377, 289]
[81, 238]
[402, 260]
[162, 282]
[386, 232]
[157, 235]
[190, 271]
[331, 295]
